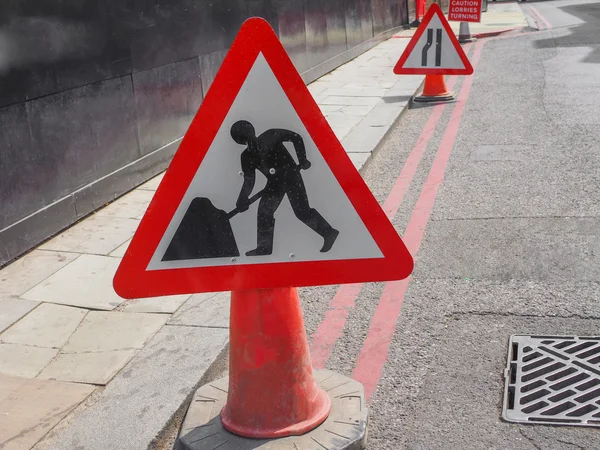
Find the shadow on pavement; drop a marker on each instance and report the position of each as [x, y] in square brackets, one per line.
[582, 35]
[418, 105]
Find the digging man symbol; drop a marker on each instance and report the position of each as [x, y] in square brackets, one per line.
[268, 154]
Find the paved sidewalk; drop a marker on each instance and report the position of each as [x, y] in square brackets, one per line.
[65, 334]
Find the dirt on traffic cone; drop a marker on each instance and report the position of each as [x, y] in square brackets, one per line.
[272, 392]
[435, 90]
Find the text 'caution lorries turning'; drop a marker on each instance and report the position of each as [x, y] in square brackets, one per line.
[465, 10]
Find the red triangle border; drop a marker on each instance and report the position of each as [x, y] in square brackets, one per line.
[132, 280]
[433, 10]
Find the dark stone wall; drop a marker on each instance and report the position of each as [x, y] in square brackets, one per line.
[96, 94]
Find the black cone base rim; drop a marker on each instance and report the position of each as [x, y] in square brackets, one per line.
[434, 98]
[345, 428]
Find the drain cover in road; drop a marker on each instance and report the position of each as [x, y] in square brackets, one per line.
[553, 380]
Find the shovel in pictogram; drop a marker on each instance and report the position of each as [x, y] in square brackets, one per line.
[205, 232]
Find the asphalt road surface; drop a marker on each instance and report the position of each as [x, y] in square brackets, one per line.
[498, 197]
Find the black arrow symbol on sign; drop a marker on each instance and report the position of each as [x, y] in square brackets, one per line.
[438, 47]
[427, 47]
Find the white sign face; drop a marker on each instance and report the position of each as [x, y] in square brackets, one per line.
[434, 49]
[302, 215]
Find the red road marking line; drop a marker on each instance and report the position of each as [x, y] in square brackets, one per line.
[330, 329]
[375, 349]
[538, 15]
[332, 326]
[396, 195]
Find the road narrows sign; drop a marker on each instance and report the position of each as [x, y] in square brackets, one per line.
[260, 193]
[434, 49]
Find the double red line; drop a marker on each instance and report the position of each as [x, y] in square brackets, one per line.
[374, 352]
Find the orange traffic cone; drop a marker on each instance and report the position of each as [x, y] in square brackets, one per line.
[420, 7]
[435, 90]
[272, 392]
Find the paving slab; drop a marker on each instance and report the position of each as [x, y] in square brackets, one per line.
[342, 124]
[24, 361]
[327, 109]
[153, 184]
[103, 331]
[204, 310]
[92, 368]
[168, 304]
[373, 83]
[349, 101]
[31, 408]
[385, 114]
[131, 206]
[364, 138]
[96, 234]
[356, 92]
[358, 111]
[119, 252]
[49, 326]
[12, 309]
[359, 159]
[23, 274]
[316, 89]
[86, 282]
[142, 398]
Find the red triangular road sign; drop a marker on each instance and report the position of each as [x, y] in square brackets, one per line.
[194, 239]
[434, 49]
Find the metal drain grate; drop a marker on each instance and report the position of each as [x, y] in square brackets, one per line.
[553, 380]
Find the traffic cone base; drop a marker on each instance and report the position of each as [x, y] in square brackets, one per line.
[466, 38]
[434, 90]
[272, 392]
[464, 33]
[257, 430]
[203, 429]
[435, 98]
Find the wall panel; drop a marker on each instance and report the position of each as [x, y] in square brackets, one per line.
[95, 94]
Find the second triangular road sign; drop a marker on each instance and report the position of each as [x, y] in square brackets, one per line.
[434, 49]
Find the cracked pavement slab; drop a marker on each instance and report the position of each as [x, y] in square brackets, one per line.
[34, 407]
